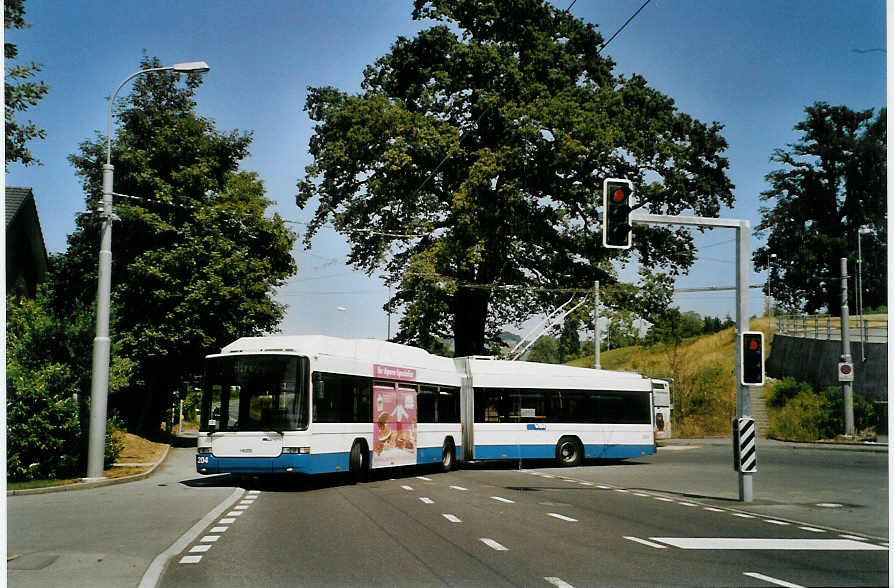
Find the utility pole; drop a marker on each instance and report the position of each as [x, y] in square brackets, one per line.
[596, 362]
[846, 386]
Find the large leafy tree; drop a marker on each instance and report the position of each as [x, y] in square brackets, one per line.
[195, 261]
[473, 159]
[832, 182]
[22, 92]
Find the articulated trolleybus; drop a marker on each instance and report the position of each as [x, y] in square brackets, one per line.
[315, 404]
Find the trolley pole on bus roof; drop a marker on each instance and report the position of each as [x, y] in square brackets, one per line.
[743, 255]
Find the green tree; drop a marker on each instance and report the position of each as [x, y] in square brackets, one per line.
[196, 261]
[832, 182]
[21, 91]
[569, 340]
[544, 350]
[473, 160]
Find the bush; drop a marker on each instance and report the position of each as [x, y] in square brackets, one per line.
[797, 413]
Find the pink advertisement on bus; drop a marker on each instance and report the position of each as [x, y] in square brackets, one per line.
[394, 425]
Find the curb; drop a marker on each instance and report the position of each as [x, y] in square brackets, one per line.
[89, 485]
[795, 445]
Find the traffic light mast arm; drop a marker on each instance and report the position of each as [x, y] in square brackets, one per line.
[743, 260]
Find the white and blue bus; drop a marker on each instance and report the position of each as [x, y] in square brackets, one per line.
[315, 404]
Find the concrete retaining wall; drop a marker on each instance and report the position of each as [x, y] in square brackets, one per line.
[816, 361]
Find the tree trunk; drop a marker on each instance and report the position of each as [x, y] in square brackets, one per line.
[469, 320]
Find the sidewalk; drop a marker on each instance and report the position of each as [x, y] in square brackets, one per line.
[878, 447]
[111, 535]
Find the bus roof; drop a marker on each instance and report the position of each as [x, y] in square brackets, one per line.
[497, 373]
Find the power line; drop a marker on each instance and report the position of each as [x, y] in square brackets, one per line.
[623, 26]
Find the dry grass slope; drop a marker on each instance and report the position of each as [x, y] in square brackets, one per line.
[702, 370]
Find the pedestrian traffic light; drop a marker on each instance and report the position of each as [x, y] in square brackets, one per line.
[751, 353]
[617, 201]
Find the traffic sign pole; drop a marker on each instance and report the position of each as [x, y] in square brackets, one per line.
[847, 386]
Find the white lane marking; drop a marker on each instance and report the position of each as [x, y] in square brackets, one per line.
[209, 538]
[426, 500]
[772, 580]
[641, 494]
[854, 537]
[153, 572]
[687, 504]
[493, 544]
[241, 507]
[190, 559]
[662, 499]
[218, 530]
[227, 521]
[234, 513]
[254, 491]
[601, 487]
[644, 542]
[677, 447]
[459, 488]
[423, 478]
[812, 529]
[775, 522]
[452, 518]
[249, 500]
[547, 476]
[585, 483]
[622, 491]
[506, 500]
[200, 548]
[712, 509]
[830, 505]
[558, 582]
[742, 543]
[556, 515]
[742, 515]
[409, 488]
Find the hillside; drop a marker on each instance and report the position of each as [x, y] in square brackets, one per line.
[701, 368]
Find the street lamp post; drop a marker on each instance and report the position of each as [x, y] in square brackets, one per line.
[102, 343]
[861, 231]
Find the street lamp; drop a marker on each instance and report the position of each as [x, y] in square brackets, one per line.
[770, 259]
[102, 343]
[861, 231]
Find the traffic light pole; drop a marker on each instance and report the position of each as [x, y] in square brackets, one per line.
[743, 256]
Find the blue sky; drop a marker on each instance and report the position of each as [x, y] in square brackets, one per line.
[752, 66]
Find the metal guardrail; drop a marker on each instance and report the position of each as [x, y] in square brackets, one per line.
[874, 327]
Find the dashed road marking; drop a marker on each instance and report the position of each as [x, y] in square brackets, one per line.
[556, 515]
[558, 582]
[690, 504]
[775, 522]
[426, 500]
[812, 529]
[218, 530]
[209, 538]
[190, 559]
[460, 488]
[854, 537]
[493, 544]
[750, 543]
[234, 513]
[712, 509]
[742, 515]
[227, 521]
[199, 548]
[501, 499]
[423, 478]
[644, 542]
[408, 488]
[452, 518]
[772, 580]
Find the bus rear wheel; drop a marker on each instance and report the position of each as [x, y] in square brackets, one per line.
[358, 465]
[448, 456]
[569, 452]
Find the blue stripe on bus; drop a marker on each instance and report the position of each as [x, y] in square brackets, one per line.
[317, 463]
[549, 451]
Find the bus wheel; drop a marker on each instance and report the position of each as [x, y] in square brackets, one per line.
[569, 452]
[448, 456]
[358, 464]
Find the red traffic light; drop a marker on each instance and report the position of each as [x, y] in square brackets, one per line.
[619, 196]
[753, 345]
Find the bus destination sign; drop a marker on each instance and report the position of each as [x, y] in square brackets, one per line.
[394, 373]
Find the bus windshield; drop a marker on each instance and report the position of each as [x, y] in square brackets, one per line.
[255, 393]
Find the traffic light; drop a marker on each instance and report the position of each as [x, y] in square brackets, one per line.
[752, 357]
[617, 202]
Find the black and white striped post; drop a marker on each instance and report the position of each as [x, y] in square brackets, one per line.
[744, 445]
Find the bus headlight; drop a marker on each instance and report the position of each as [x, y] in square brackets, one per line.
[203, 450]
[293, 450]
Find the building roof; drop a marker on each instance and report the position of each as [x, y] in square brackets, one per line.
[16, 198]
